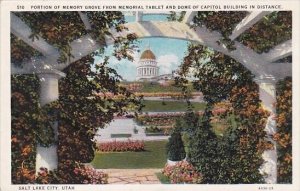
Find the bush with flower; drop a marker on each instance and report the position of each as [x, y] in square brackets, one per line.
[121, 146]
[182, 172]
[82, 174]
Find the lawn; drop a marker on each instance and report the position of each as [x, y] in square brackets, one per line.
[162, 178]
[153, 157]
[154, 87]
[157, 106]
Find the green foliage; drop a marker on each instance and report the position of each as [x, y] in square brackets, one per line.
[157, 106]
[213, 69]
[61, 28]
[82, 113]
[23, 138]
[236, 157]
[221, 21]
[162, 178]
[182, 173]
[21, 52]
[175, 147]
[202, 148]
[153, 129]
[57, 28]
[284, 130]
[176, 16]
[288, 59]
[272, 30]
[251, 121]
[30, 126]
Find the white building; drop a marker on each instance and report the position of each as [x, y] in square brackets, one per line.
[147, 69]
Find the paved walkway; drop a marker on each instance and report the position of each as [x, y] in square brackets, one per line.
[132, 176]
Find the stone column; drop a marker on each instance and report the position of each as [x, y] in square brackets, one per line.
[267, 94]
[138, 16]
[47, 156]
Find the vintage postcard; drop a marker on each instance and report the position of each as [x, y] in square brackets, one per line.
[148, 95]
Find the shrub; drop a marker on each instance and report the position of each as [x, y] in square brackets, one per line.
[175, 147]
[81, 175]
[121, 146]
[182, 172]
[91, 175]
[153, 129]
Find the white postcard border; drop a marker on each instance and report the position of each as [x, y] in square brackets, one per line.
[7, 6]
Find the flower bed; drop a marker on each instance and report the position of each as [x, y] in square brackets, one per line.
[92, 175]
[158, 130]
[168, 118]
[174, 95]
[121, 146]
[153, 129]
[82, 175]
[182, 172]
[160, 119]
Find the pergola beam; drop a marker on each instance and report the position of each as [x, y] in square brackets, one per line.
[83, 46]
[248, 22]
[280, 51]
[188, 17]
[85, 20]
[258, 64]
[280, 70]
[201, 35]
[80, 48]
[22, 31]
[138, 16]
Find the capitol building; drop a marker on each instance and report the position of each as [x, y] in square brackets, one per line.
[147, 69]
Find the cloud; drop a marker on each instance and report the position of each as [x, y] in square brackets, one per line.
[167, 63]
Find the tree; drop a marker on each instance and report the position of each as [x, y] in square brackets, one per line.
[175, 147]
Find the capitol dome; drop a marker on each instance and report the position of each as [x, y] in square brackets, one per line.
[148, 54]
[147, 68]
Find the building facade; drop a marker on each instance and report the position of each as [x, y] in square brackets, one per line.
[147, 69]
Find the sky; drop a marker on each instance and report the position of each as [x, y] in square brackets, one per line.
[169, 52]
[169, 55]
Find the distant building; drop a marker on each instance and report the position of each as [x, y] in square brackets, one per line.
[147, 69]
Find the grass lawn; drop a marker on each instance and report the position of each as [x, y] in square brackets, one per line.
[162, 178]
[154, 157]
[154, 87]
[120, 135]
[156, 106]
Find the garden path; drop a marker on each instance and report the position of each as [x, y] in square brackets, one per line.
[132, 176]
